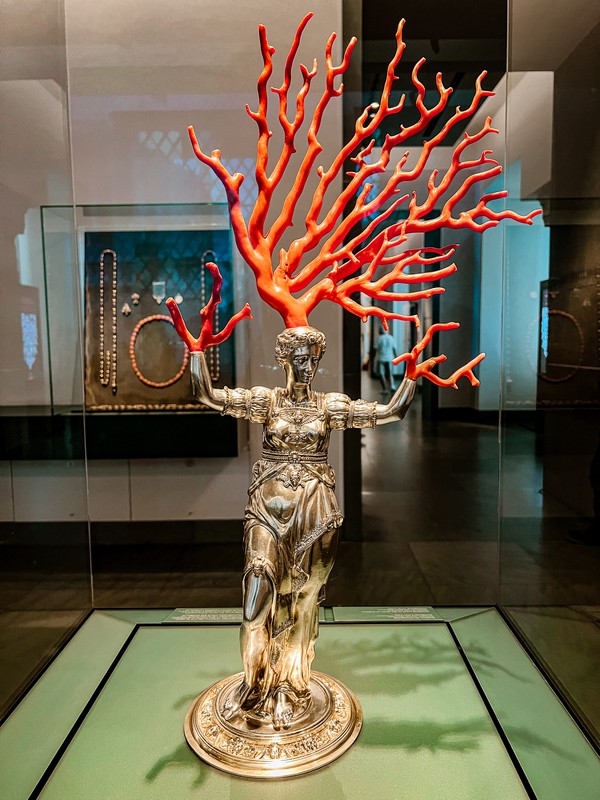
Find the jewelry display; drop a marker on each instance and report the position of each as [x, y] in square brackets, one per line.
[214, 360]
[138, 267]
[108, 358]
[132, 341]
[159, 291]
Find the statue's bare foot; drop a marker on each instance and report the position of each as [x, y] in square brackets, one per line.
[236, 701]
[283, 711]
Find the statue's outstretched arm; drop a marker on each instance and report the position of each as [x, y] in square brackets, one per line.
[400, 402]
[202, 384]
[252, 404]
[201, 381]
[398, 405]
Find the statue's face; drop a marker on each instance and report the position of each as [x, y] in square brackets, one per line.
[304, 362]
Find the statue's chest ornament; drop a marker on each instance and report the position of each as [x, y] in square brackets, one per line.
[299, 417]
[298, 426]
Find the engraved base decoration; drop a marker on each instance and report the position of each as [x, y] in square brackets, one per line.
[241, 746]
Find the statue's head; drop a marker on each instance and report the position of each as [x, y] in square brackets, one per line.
[299, 350]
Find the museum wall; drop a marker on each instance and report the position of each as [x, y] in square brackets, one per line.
[35, 170]
[474, 295]
[136, 81]
[144, 74]
[141, 76]
[45, 585]
[554, 59]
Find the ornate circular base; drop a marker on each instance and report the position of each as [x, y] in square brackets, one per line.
[244, 746]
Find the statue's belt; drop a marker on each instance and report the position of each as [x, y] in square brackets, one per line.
[294, 457]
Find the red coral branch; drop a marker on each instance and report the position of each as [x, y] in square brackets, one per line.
[267, 184]
[338, 290]
[415, 370]
[353, 247]
[207, 337]
[314, 148]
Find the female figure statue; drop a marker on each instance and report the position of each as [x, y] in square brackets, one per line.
[351, 247]
[291, 521]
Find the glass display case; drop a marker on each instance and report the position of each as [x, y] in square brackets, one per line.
[131, 259]
[131, 361]
[122, 498]
[550, 392]
[45, 576]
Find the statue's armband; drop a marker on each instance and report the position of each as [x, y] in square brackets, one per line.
[346, 413]
[251, 404]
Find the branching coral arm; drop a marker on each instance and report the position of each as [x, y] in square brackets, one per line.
[364, 312]
[207, 337]
[264, 134]
[285, 218]
[415, 370]
[258, 258]
[291, 128]
[355, 258]
[231, 184]
[341, 291]
[268, 183]
[365, 127]
[352, 257]
[329, 248]
[316, 231]
[415, 222]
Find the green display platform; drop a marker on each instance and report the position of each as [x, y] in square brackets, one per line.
[453, 710]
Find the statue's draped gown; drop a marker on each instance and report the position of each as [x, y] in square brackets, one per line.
[291, 522]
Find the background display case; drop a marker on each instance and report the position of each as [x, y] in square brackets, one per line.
[134, 259]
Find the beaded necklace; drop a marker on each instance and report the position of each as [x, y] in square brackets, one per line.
[108, 358]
